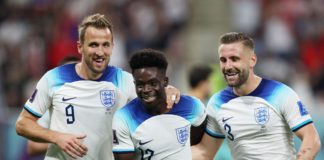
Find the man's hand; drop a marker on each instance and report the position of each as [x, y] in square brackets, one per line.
[173, 96]
[72, 144]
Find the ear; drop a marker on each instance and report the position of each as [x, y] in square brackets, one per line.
[253, 60]
[79, 45]
[166, 81]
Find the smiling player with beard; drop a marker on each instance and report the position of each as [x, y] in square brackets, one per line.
[144, 128]
[258, 116]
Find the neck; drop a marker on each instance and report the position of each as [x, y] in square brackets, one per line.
[157, 110]
[84, 72]
[250, 85]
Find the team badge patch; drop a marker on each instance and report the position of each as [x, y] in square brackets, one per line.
[302, 109]
[107, 98]
[32, 97]
[261, 115]
[182, 134]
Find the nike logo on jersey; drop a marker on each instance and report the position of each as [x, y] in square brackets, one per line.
[226, 119]
[67, 99]
[142, 143]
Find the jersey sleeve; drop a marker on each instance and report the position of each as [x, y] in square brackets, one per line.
[40, 100]
[294, 111]
[122, 142]
[213, 129]
[129, 86]
[199, 112]
[44, 121]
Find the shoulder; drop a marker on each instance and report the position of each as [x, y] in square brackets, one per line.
[188, 101]
[273, 84]
[187, 105]
[128, 108]
[116, 70]
[221, 97]
[117, 76]
[67, 68]
[65, 73]
[131, 115]
[191, 109]
[271, 88]
[133, 110]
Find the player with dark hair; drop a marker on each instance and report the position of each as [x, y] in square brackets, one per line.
[81, 98]
[144, 128]
[257, 116]
[199, 82]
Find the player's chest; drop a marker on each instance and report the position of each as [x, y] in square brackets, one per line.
[74, 103]
[246, 120]
[161, 136]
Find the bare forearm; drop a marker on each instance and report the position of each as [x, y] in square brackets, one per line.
[310, 142]
[199, 153]
[30, 129]
[308, 150]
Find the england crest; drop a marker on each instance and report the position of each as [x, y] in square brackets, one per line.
[107, 98]
[261, 115]
[182, 134]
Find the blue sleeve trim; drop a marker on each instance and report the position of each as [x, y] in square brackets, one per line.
[294, 129]
[215, 135]
[32, 112]
[123, 151]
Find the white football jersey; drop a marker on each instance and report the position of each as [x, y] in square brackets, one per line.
[81, 106]
[258, 125]
[165, 136]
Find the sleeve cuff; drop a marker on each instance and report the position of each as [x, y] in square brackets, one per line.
[32, 112]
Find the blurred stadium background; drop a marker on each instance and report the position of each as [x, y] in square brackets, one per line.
[36, 34]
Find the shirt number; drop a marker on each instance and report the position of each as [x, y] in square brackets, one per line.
[69, 112]
[147, 154]
[228, 129]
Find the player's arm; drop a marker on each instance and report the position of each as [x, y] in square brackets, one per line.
[124, 156]
[196, 133]
[310, 142]
[27, 126]
[36, 148]
[207, 148]
[123, 146]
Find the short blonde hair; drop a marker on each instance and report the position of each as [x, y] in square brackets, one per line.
[96, 20]
[233, 37]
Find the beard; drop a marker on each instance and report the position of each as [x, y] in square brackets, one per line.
[235, 77]
[92, 66]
